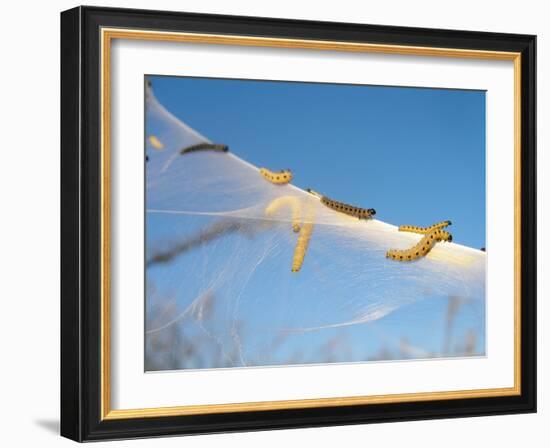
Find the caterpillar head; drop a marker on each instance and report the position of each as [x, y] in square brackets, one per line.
[314, 193]
[446, 236]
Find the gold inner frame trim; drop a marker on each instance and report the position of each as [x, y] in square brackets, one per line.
[107, 35]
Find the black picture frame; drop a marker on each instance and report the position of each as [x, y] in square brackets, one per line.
[81, 224]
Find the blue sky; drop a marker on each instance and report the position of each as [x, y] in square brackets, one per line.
[416, 155]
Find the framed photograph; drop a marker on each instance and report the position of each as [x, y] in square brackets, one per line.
[275, 224]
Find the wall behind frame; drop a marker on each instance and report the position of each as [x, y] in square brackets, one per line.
[30, 219]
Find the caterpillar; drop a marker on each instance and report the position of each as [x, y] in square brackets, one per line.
[280, 178]
[284, 201]
[204, 147]
[351, 210]
[303, 240]
[155, 142]
[422, 248]
[305, 230]
[425, 230]
[301, 246]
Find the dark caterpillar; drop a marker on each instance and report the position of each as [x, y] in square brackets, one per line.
[351, 210]
[205, 147]
[421, 249]
[425, 230]
[280, 178]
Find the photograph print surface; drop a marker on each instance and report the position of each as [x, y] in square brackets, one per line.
[292, 223]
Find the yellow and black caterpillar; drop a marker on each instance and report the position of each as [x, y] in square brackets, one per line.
[205, 147]
[351, 210]
[425, 230]
[286, 201]
[282, 177]
[422, 248]
[432, 235]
